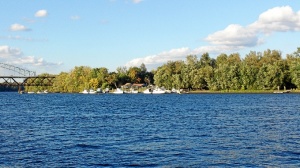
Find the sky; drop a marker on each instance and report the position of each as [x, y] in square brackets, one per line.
[53, 36]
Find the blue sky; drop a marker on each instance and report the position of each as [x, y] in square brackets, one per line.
[54, 36]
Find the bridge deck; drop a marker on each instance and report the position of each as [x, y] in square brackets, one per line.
[26, 80]
[27, 76]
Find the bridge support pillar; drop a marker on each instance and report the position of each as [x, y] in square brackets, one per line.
[20, 89]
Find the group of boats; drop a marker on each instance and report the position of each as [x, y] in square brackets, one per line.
[118, 91]
[91, 91]
[282, 91]
[38, 92]
[132, 91]
[156, 91]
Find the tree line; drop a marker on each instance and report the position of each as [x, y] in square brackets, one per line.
[256, 71]
[84, 77]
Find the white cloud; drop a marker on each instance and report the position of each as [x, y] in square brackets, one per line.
[33, 61]
[215, 49]
[137, 1]
[41, 13]
[18, 27]
[278, 19]
[16, 57]
[234, 37]
[7, 52]
[153, 61]
[174, 54]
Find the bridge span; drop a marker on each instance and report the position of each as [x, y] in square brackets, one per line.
[25, 78]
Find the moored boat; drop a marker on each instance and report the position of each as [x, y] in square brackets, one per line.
[38, 92]
[85, 92]
[135, 91]
[147, 91]
[118, 91]
[158, 91]
[99, 90]
[92, 91]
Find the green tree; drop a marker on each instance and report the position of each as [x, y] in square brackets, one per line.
[122, 76]
[134, 74]
[163, 76]
[59, 83]
[221, 73]
[93, 83]
[249, 69]
[78, 79]
[293, 62]
[112, 79]
[102, 73]
[190, 72]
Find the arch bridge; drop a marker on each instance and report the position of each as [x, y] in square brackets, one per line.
[24, 78]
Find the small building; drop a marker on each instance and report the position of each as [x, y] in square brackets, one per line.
[130, 87]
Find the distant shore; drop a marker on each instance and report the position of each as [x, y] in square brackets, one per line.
[241, 91]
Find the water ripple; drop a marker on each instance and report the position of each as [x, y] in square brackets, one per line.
[201, 130]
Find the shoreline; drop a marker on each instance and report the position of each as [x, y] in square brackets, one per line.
[244, 92]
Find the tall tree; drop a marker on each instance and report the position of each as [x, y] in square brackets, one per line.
[122, 76]
[112, 79]
[134, 74]
[293, 61]
[249, 69]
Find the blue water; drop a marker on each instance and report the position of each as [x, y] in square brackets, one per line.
[188, 130]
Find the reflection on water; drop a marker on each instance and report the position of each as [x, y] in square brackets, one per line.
[189, 130]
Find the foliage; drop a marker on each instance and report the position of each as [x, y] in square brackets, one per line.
[84, 77]
[256, 71]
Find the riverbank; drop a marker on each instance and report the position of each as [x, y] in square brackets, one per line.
[241, 91]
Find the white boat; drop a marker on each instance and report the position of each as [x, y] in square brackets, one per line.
[106, 90]
[179, 91]
[134, 91]
[43, 92]
[286, 91]
[22, 92]
[92, 91]
[118, 91]
[99, 90]
[158, 91]
[85, 92]
[147, 91]
[168, 91]
[176, 91]
[30, 92]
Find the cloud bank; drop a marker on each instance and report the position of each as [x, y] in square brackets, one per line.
[233, 38]
[160, 58]
[16, 57]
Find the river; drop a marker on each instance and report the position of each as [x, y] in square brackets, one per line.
[137, 130]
